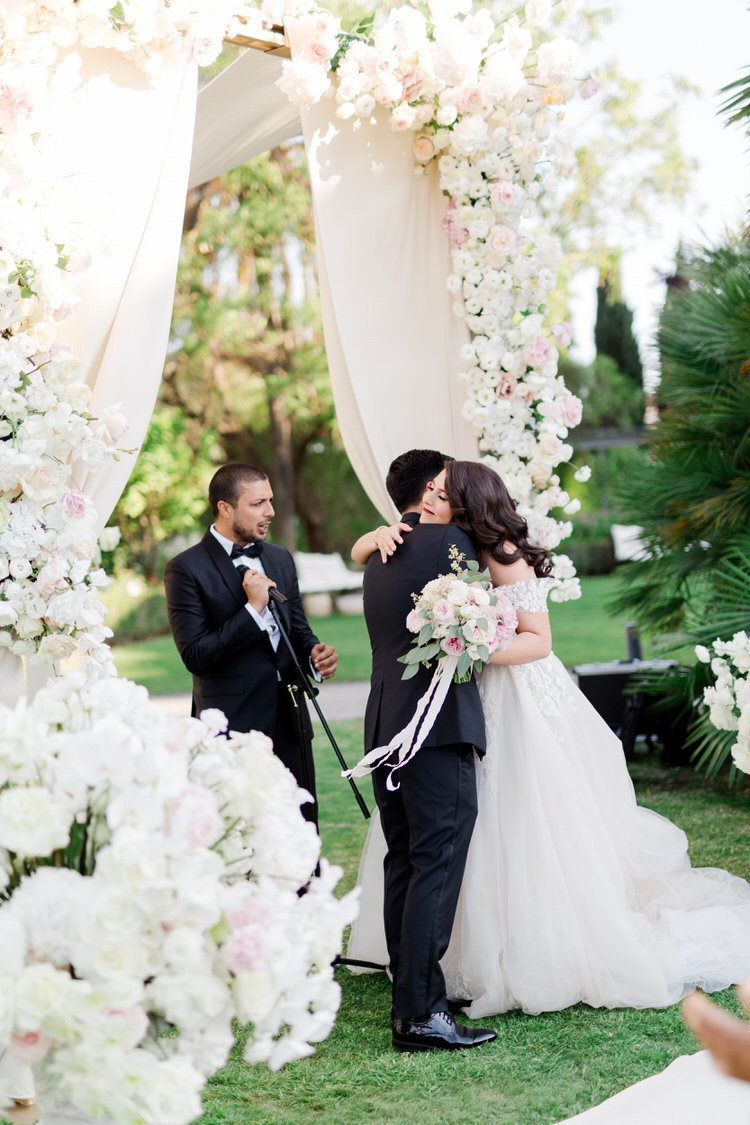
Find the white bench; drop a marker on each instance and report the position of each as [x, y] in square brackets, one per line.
[323, 577]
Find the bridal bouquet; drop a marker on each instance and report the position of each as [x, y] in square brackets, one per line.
[459, 615]
[460, 620]
[149, 871]
[728, 699]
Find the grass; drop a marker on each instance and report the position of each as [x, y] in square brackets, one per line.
[582, 633]
[542, 1069]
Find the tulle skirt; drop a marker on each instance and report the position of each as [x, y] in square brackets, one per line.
[572, 892]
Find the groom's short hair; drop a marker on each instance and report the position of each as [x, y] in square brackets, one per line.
[409, 474]
[228, 482]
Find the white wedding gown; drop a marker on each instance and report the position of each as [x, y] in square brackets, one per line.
[572, 893]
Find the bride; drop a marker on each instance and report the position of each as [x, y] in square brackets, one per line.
[572, 892]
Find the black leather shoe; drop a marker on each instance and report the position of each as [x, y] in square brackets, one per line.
[439, 1032]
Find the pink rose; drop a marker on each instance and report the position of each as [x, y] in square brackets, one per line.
[500, 242]
[316, 53]
[259, 911]
[453, 646]
[204, 50]
[411, 85]
[469, 100]
[503, 194]
[572, 410]
[443, 612]
[506, 386]
[539, 353]
[563, 334]
[74, 504]
[415, 621]
[31, 1047]
[244, 950]
[423, 149]
[456, 235]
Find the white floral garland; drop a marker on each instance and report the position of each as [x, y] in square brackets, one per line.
[482, 100]
[728, 700]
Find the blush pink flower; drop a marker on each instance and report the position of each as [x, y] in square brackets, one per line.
[31, 1047]
[244, 950]
[411, 85]
[538, 353]
[563, 334]
[415, 621]
[316, 53]
[74, 504]
[204, 50]
[503, 194]
[453, 646]
[457, 235]
[443, 612]
[572, 410]
[469, 100]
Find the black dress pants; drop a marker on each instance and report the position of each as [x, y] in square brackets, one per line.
[427, 823]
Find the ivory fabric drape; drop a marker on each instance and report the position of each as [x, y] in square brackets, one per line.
[128, 145]
[392, 338]
[241, 114]
[125, 146]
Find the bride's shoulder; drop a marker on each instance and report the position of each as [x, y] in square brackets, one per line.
[508, 574]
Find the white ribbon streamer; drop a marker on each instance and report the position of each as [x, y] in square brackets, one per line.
[408, 741]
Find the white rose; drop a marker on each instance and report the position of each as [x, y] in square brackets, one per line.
[254, 995]
[32, 821]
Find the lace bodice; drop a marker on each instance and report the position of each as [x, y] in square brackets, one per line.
[529, 596]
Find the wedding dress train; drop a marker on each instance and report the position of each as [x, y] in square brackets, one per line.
[572, 892]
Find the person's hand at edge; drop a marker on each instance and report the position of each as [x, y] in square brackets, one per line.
[727, 1038]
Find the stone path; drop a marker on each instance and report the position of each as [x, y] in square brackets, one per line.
[339, 702]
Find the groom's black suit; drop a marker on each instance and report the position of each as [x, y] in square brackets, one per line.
[428, 821]
[232, 660]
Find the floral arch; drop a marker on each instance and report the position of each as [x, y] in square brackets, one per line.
[97, 108]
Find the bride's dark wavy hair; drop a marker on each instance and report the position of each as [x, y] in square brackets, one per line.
[483, 508]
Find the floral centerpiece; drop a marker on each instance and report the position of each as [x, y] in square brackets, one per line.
[150, 871]
[482, 95]
[728, 699]
[460, 621]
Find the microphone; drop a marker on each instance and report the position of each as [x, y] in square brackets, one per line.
[274, 595]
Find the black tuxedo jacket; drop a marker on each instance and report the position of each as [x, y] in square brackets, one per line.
[388, 589]
[231, 658]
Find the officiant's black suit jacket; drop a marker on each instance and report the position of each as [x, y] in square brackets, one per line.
[232, 660]
[388, 589]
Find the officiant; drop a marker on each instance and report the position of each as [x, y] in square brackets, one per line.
[228, 638]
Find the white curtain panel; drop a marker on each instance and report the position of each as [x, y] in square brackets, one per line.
[241, 114]
[127, 146]
[392, 337]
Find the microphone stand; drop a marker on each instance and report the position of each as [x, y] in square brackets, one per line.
[276, 599]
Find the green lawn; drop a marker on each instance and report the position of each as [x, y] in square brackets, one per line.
[582, 632]
[542, 1069]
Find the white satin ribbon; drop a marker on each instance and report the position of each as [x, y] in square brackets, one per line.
[408, 741]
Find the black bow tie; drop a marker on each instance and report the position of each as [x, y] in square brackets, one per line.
[252, 551]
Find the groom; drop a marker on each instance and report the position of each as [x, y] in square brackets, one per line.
[428, 820]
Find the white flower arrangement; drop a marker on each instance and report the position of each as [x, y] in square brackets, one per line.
[728, 700]
[459, 615]
[483, 102]
[149, 871]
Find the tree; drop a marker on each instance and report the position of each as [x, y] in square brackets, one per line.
[248, 357]
[693, 496]
[613, 332]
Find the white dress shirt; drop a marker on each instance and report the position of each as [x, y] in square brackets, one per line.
[265, 619]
